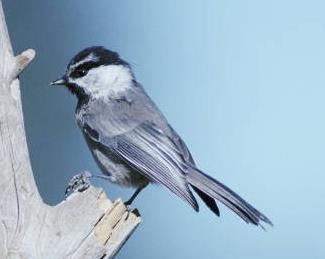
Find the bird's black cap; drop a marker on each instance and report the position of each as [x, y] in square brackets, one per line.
[103, 56]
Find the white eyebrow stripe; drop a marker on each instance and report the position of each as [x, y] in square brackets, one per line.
[90, 57]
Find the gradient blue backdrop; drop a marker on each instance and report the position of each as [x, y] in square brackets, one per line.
[241, 81]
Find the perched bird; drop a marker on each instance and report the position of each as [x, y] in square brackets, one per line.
[131, 140]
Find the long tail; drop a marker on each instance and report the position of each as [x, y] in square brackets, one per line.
[209, 189]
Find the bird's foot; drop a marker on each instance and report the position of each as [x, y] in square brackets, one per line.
[135, 194]
[128, 203]
[79, 182]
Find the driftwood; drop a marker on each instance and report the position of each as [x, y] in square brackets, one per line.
[85, 225]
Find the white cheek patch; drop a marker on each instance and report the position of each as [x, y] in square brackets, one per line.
[110, 80]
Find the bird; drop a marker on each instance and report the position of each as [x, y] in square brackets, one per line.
[131, 140]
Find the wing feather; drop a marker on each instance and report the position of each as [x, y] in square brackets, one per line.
[148, 150]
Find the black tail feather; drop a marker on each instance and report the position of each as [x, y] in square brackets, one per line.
[210, 202]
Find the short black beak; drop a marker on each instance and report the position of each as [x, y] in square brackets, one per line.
[60, 81]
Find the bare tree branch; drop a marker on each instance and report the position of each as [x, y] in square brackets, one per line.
[86, 225]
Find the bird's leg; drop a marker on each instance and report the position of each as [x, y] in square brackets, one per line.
[79, 182]
[135, 194]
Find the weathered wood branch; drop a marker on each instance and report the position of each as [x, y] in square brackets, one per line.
[85, 225]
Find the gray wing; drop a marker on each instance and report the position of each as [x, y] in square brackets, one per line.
[153, 154]
[181, 147]
[134, 130]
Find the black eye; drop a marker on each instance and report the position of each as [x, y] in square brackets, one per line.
[80, 72]
[83, 69]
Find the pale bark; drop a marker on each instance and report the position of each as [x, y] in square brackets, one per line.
[85, 225]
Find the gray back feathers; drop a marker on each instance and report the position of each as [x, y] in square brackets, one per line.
[134, 130]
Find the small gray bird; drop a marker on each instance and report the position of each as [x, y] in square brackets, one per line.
[130, 138]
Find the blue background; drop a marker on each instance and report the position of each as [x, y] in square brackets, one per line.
[241, 81]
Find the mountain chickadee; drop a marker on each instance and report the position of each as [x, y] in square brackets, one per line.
[130, 138]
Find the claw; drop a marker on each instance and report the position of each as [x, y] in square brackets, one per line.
[79, 182]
